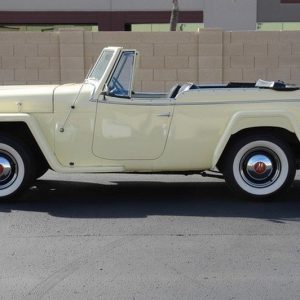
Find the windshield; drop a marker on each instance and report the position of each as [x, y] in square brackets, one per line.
[101, 65]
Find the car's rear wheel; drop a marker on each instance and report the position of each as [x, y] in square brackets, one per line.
[259, 166]
[17, 167]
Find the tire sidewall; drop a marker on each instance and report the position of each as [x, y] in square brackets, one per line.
[25, 166]
[236, 153]
[17, 183]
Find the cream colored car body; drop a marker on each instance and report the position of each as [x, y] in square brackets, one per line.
[80, 129]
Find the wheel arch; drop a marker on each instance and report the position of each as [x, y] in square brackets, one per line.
[22, 132]
[289, 137]
[279, 124]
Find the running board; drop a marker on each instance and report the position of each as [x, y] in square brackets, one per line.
[214, 175]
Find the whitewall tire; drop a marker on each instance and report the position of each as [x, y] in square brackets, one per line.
[259, 166]
[17, 167]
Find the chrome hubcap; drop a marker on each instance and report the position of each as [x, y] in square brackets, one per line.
[260, 167]
[5, 168]
[8, 170]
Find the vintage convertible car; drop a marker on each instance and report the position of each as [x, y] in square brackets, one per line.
[248, 133]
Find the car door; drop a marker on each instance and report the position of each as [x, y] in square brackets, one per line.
[130, 128]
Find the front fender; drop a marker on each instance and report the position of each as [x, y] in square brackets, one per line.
[254, 119]
[37, 134]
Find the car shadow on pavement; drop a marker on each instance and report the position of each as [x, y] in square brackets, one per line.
[69, 199]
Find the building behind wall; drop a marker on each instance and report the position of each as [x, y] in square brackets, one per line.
[145, 15]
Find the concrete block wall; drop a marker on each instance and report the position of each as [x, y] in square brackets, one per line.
[29, 58]
[71, 56]
[208, 56]
[164, 58]
[248, 56]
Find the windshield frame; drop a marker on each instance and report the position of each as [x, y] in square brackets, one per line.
[99, 83]
[91, 71]
[131, 79]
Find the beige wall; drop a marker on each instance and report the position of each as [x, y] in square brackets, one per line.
[208, 56]
[268, 55]
[31, 58]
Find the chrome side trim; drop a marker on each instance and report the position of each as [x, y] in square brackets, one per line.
[167, 102]
[241, 102]
[139, 103]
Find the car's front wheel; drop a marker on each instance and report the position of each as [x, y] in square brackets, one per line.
[259, 166]
[17, 167]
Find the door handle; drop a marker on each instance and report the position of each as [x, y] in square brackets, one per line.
[167, 114]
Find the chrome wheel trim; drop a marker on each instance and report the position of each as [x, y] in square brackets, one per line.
[17, 173]
[260, 167]
[278, 180]
[8, 169]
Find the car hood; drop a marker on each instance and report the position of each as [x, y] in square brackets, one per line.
[26, 98]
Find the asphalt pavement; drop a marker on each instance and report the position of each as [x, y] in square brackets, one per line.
[147, 237]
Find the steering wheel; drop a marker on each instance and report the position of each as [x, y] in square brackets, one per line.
[117, 84]
[117, 88]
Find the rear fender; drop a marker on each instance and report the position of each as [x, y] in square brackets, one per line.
[254, 119]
